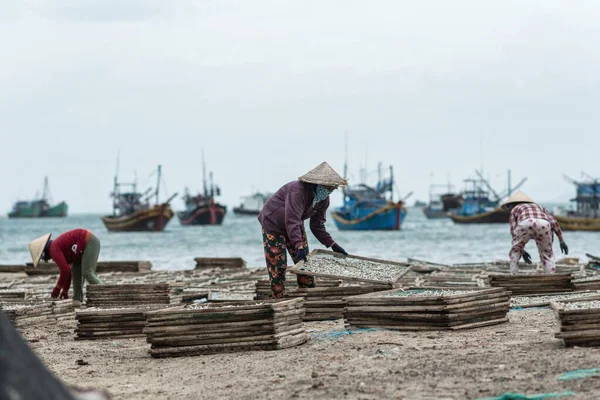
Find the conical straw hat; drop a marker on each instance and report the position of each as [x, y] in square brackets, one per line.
[516, 198]
[323, 175]
[36, 248]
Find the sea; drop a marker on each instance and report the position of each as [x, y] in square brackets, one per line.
[175, 248]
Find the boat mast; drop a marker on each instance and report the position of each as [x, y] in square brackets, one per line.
[159, 175]
[391, 182]
[595, 198]
[345, 159]
[509, 184]
[46, 189]
[345, 155]
[204, 175]
[116, 186]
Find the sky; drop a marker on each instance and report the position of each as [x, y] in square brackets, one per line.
[270, 88]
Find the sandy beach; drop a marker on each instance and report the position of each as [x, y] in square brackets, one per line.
[521, 356]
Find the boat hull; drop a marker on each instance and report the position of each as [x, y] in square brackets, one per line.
[203, 215]
[245, 211]
[388, 218]
[578, 224]
[58, 211]
[434, 214]
[497, 216]
[154, 219]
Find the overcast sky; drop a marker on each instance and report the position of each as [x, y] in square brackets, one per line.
[268, 88]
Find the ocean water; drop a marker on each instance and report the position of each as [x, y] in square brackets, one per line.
[176, 247]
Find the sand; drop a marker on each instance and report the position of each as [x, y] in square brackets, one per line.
[522, 356]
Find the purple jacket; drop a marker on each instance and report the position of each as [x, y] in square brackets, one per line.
[287, 209]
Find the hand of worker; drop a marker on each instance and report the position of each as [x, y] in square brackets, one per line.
[526, 257]
[55, 293]
[564, 248]
[338, 249]
[301, 255]
[64, 295]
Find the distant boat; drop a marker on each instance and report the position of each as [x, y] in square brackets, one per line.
[251, 205]
[420, 204]
[478, 205]
[202, 209]
[441, 203]
[39, 208]
[586, 216]
[370, 208]
[132, 211]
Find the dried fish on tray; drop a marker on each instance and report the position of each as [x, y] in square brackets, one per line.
[579, 321]
[326, 263]
[544, 300]
[419, 309]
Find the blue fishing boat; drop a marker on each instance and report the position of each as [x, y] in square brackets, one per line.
[370, 208]
[479, 207]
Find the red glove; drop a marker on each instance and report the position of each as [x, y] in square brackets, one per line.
[64, 295]
[55, 292]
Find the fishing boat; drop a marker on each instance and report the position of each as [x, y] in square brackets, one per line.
[586, 215]
[202, 209]
[251, 205]
[481, 203]
[40, 207]
[370, 207]
[441, 203]
[132, 211]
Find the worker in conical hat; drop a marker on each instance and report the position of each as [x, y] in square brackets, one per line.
[79, 248]
[529, 220]
[282, 220]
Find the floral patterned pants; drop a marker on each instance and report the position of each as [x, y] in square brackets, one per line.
[539, 230]
[276, 257]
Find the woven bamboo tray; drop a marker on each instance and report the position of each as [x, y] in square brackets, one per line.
[388, 273]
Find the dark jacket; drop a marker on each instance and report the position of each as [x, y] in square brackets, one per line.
[287, 209]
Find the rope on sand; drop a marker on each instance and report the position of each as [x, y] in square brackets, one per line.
[519, 396]
[579, 374]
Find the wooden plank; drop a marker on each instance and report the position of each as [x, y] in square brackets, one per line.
[480, 324]
[231, 337]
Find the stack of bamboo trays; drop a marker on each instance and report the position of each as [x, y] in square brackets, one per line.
[591, 283]
[579, 321]
[533, 283]
[14, 295]
[225, 327]
[221, 262]
[97, 323]
[137, 294]
[135, 266]
[262, 287]
[367, 274]
[327, 303]
[36, 314]
[9, 268]
[421, 310]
